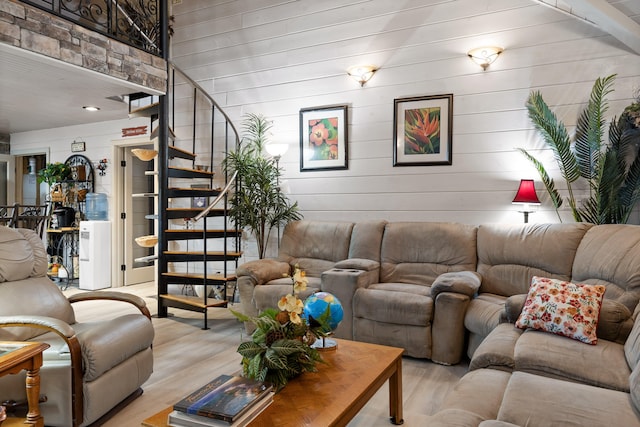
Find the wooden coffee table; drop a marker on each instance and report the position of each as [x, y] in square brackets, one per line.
[332, 396]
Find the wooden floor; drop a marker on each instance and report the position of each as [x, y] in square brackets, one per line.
[186, 357]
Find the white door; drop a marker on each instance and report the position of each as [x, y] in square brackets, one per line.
[136, 216]
[7, 176]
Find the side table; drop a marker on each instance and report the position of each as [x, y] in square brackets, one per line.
[16, 356]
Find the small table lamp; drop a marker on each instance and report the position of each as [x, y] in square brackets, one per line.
[526, 196]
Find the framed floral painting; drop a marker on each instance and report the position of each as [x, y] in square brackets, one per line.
[323, 138]
[422, 130]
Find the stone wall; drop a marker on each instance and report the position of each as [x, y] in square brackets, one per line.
[30, 28]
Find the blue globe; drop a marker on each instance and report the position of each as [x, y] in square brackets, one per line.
[316, 305]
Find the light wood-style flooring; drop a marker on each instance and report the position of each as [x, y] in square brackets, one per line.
[187, 357]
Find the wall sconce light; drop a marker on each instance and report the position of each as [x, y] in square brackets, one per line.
[526, 196]
[362, 73]
[484, 56]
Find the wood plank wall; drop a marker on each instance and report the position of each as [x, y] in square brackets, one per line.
[275, 57]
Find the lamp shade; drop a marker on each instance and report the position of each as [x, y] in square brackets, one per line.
[526, 193]
[276, 150]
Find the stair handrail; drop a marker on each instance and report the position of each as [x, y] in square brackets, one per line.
[204, 92]
[220, 196]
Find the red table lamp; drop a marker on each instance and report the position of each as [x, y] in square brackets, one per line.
[526, 196]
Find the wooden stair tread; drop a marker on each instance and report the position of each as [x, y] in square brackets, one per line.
[199, 230]
[150, 108]
[192, 209]
[194, 189]
[195, 301]
[200, 276]
[229, 253]
[156, 132]
[181, 150]
[201, 172]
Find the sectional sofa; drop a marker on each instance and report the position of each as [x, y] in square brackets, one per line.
[440, 290]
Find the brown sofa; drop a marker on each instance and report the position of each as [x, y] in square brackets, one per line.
[437, 289]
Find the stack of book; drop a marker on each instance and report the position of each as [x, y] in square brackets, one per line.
[226, 401]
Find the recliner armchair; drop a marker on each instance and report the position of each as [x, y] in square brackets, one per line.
[90, 368]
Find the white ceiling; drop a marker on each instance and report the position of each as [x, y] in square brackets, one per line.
[37, 92]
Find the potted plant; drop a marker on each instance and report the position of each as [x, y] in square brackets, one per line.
[281, 346]
[53, 173]
[611, 169]
[258, 204]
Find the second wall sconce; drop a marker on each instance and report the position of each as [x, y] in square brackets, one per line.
[362, 73]
[484, 56]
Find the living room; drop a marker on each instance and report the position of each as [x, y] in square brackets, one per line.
[277, 58]
[280, 58]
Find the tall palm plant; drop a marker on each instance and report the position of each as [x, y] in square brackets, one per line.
[258, 204]
[612, 170]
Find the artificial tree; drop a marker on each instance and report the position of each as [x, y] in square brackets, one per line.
[258, 204]
[610, 168]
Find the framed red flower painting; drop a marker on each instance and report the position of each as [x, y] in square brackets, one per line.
[323, 138]
[422, 130]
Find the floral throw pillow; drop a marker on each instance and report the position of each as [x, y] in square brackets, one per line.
[563, 308]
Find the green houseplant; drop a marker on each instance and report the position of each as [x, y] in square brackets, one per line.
[281, 346]
[258, 204]
[53, 173]
[611, 169]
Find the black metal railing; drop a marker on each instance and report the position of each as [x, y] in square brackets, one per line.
[135, 22]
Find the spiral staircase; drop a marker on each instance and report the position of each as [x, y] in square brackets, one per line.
[197, 244]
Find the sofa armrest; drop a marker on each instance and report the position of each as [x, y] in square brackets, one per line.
[39, 322]
[358, 264]
[447, 327]
[496, 423]
[257, 273]
[496, 351]
[343, 283]
[134, 300]
[461, 282]
[262, 271]
[513, 307]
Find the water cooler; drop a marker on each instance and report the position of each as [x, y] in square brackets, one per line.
[95, 255]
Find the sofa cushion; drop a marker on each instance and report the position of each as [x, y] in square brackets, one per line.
[484, 313]
[418, 252]
[632, 346]
[465, 393]
[602, 365]
[45, 299]
[403, 308]
[634, 386]
[315, 245]
[616, 246]
[562, 308]
[16, 254]
[510, 255]
[536, 401]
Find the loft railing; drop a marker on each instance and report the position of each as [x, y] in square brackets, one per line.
[134, 22]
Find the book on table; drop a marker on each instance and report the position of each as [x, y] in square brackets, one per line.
[181, 419]
[225, 398]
